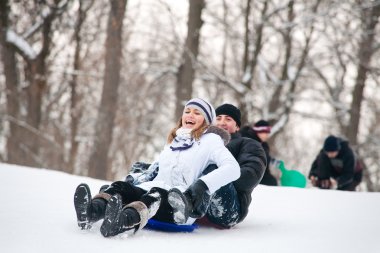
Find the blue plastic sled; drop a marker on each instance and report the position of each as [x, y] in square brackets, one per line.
[169, 227]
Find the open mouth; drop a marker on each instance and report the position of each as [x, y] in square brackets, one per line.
[190, 123]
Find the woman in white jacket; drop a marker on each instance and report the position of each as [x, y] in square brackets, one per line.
[192, 145]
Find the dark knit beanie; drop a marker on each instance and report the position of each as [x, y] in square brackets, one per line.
[331, 144]
[262, 126]
[229, 110]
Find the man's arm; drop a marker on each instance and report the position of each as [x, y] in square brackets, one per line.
[252, 162]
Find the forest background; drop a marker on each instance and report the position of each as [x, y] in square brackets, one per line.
[90, 87]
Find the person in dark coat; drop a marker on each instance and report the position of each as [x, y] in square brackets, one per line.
[336, 161]
[260, 132]
[229, 205]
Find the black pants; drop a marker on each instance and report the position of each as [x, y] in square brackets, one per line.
[130, 193]
[224, 210]
[355, 182]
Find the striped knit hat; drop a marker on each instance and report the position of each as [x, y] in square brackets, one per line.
[262, 126]
[204, 107]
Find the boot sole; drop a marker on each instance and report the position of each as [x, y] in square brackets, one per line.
[82, 202]
[178, 201]
[113, 210]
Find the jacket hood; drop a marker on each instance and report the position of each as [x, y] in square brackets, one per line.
[226, 137]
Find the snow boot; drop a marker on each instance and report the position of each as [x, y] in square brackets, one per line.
[88, 210]
[103, 188]
[110, 225]
[119, 219]
[181, 205]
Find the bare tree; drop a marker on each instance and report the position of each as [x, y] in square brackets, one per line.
[250, 56]
[282, 101]
[75, 109]
[27, 133]
[370, 12]
[184, 87]
[8, 53]
[98, 163]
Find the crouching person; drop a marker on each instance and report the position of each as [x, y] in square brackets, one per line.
[336, 161]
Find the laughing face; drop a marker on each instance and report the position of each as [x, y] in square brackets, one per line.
[192, 118]
[227, 123]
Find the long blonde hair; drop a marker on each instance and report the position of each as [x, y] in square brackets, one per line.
[195, 133]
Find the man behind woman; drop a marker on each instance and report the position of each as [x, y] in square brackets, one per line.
[229, 205]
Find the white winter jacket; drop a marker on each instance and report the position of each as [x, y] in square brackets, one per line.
[181, 168]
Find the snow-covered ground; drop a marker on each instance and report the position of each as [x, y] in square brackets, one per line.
[37, 215]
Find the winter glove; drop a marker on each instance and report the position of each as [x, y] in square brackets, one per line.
[139, 167]
[129, 179]
[314, 181]
[325, 184]
[103, 188]
[199, 197]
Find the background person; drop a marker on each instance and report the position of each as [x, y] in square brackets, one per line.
[260, 132]
[336, 161]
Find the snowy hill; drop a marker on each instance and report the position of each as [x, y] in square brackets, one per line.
[37, 215]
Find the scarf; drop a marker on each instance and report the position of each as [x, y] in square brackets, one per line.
[183, 139]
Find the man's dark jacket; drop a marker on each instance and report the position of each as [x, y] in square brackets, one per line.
[251, 157]
[268, 178]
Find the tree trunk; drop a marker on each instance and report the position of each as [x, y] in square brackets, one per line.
[250, 61]
[98, 164]
[36, 74]
[24, 142]
[276, 102]
[75, 110]
[185, 78]
[8, 54]
[370, 18]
